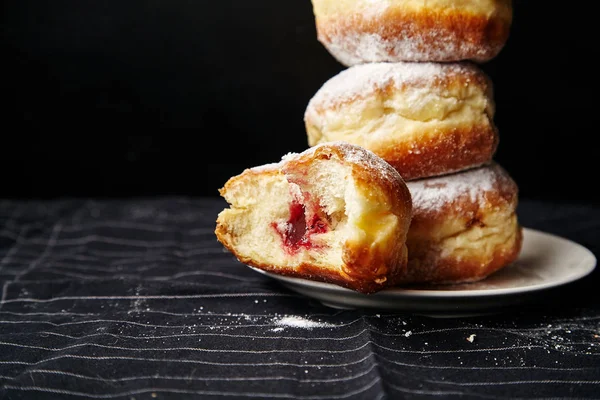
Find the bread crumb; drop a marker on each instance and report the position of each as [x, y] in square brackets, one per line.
[471, 338]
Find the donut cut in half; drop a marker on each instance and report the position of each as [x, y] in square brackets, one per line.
[335, 213]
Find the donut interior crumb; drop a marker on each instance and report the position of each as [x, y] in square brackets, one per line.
[306, 215]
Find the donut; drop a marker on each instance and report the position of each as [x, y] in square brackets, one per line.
[425, 119]
[464, 227]
[334, 213]
[367, 31]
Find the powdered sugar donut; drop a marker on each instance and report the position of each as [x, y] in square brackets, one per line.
[464, 227]
[335, 213]
[363, 31]
[425, 119]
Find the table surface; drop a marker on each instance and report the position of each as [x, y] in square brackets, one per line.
[135, 299]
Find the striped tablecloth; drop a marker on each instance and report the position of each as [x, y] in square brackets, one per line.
[135, 299]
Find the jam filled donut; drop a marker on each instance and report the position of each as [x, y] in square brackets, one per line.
[334, 213]
[424, 119]
[464, 226]
[366, 31]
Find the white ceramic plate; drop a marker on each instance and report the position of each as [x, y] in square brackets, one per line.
[546, 261]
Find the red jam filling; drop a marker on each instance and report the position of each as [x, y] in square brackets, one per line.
[297, 232]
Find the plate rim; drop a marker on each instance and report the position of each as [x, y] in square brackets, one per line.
[589, 259]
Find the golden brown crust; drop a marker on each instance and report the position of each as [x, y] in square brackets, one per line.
[426, 265]
[467, 195]
[415, 35]
[446, 152]
[362, 284]
[315, 273]
[470, 233]
[369, 261]
[425, 119]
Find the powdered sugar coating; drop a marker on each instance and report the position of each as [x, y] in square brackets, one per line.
[432, 194]
[354, 154]
[368, 31]
[351, 49]
[363, 80]
[351, 153]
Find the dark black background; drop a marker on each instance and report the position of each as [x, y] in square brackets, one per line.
[155, 97]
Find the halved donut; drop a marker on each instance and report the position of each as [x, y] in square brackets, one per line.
[334, 213]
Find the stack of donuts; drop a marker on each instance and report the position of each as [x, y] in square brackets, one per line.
[398, 185]
[414, 94]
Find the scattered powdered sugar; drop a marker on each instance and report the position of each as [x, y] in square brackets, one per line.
[293, 321]
[362, 80]
[431, 194]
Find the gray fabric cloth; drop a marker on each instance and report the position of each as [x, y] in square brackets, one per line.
[123, 299]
